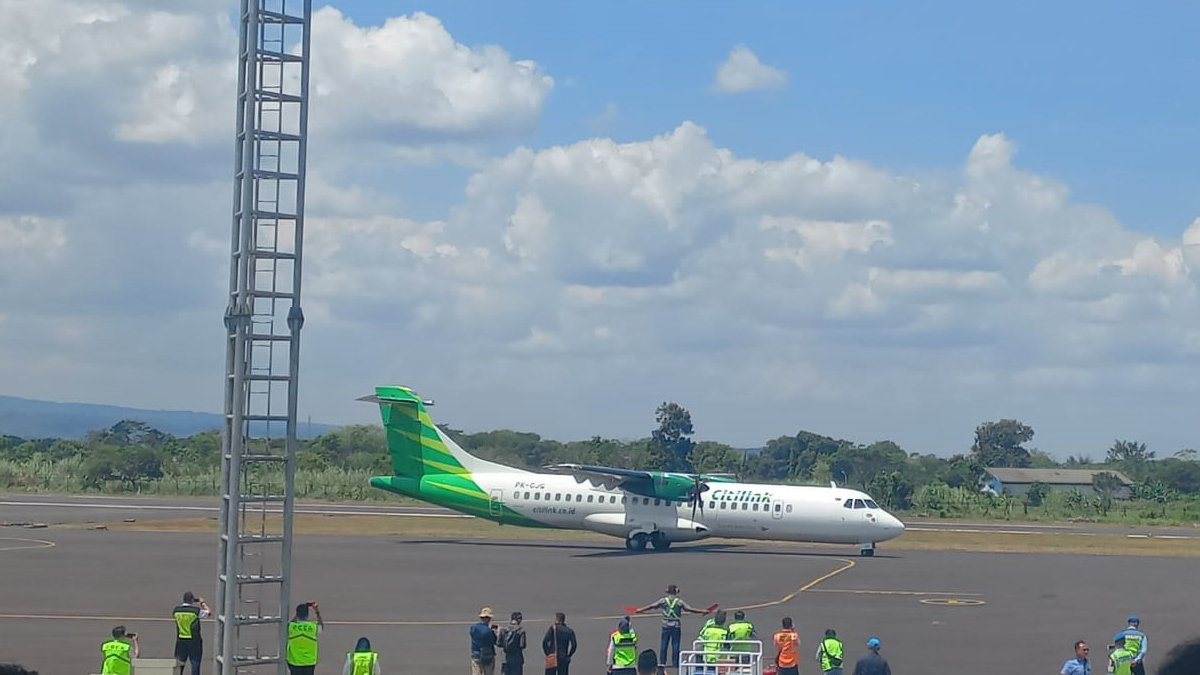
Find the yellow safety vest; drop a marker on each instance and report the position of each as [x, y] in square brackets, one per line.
[1133, 641]
[831, 648]
[624, 649]
[1122, 661]
[714, 637]
[116, 657]
[364, 662]
[186, 618]
[741, 630]
[302, 643]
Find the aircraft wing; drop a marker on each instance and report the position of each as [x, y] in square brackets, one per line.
[607, 477]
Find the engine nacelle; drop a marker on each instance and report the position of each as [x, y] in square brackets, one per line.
[622, 525]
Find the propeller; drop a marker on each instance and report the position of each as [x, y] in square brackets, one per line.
[696, 495]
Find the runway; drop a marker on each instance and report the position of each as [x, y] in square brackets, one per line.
[63, 509]
[936, 612]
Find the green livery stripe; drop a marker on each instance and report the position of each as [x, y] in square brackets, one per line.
[461, 495]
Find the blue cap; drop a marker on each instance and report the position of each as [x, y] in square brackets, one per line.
[624, 625]
[1119, 636]
[873, 643]
[1134, 619]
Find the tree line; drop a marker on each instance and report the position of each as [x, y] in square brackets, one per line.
[131, 456]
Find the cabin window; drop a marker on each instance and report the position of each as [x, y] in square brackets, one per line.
[613, 499]
[722, 505]
[858, 504]
[756, 506]
[526, 495]
[778, 508]
[871, 504]
[658, 502]
[623, 499]
[712, 505]
[789, 508]
[849, 504]
[745, 506]
[590, 498]
[578, 498]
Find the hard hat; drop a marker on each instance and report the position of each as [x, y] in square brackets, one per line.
[873, 643]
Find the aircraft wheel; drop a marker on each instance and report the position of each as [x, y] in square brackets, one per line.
[637, 542]
[867, 552]
[660, 541]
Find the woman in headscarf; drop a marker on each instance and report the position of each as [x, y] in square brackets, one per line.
[361, 661]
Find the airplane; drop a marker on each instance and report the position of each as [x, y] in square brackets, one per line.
[644, 508]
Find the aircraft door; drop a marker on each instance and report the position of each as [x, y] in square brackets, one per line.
[777, 509]
[496, 503]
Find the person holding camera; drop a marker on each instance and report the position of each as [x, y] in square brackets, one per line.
[302, 640]
[188, 644]
[483, 644]
[119, 652]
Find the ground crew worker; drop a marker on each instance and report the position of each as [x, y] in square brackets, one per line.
[1135, 641]
[119, 652]
[741, 629]
[713, 636]
[787, 646]
[361, 661]
[622, 649]
[1120, 659]
[188, 644]
[302, 640]
[647, 663]
[829, 653]
[672, 607]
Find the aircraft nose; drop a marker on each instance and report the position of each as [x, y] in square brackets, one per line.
[893, 524]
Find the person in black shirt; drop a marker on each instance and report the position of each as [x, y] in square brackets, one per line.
[512, 641]
[560, 640]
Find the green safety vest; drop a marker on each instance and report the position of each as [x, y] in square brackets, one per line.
[624, 649]
[1122, 661]
[741, 630]
[302, 643]
[714, 636]
[116, 657]
[831, 648]
[363, 662]
[1133, 641]
[186, 618]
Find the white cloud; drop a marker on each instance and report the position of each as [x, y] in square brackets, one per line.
[743, 72]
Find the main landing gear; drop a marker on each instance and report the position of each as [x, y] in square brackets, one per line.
[866, 550]
[638, 541]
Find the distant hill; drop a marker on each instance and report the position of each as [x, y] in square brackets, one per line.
[29, 418]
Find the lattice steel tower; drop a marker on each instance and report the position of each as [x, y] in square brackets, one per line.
[263, 322]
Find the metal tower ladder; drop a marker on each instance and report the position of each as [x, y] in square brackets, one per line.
[263, 321]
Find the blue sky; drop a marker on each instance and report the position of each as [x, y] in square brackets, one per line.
[868, 220]
[1101, 95]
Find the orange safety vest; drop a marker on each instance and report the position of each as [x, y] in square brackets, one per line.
[788, 642]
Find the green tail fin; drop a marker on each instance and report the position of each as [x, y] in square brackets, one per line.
[416, 445]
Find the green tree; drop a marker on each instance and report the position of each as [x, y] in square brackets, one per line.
[893, 489]
[862, 464]
[1106, 485]
[1131, 456]
[1036, 494]
[711, 457]
[998, 444]
[130, 465]
[671, 443]
[1186, 454]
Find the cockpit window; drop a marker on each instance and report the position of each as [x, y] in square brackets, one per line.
[858, 504]
[849, 504]
[871, 504]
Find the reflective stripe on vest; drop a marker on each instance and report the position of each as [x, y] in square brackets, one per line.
[713, 637]
[671, 611]
[302, 643]
[741, 630]
[1122, 661]
[830, 648]
[186, 617]
[624, 648]
[116, 657]
[364, 662]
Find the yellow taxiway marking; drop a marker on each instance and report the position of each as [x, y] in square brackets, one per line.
[27, 543]
[952, 602]
[880, 592]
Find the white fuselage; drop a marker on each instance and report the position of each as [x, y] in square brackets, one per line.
[735, 510]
